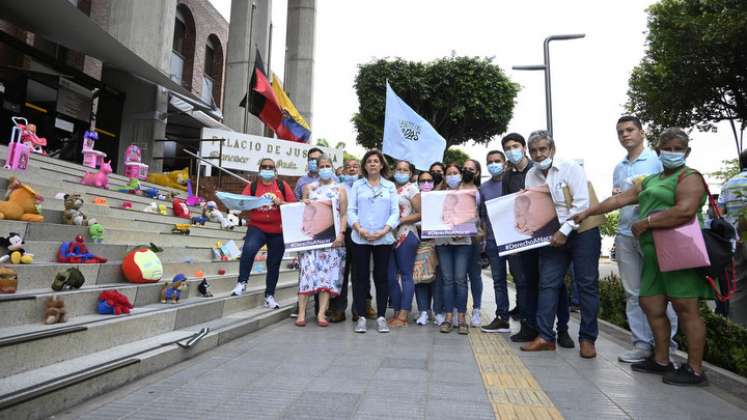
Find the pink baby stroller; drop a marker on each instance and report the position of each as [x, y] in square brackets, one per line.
[18, 152]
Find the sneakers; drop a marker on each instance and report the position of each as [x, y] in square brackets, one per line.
[423, 318]
[564, 340]
[239, 289]
[476, 322]
[497, 326]
[463, 329]
[634, 355]
[270, 302]
[652, 366]
[446, 327]
[525, 335]
[684, 376]
[360, 325]
[381, 325]
[439, 319]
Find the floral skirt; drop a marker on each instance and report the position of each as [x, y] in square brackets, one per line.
[321, 270]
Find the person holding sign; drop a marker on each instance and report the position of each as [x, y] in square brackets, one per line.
[321, 270]
[373, 213]
[471, 173]
[265, 227]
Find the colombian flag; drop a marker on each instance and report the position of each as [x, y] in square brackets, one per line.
[292, 126]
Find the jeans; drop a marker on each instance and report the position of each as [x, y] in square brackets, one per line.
[564, 310]
[630, 265]
[454, 261]
[474, 273]
[526, 278]
[423, 295]
[400, 267]
[253, 241]
[362, 278]
[340, 302]
[574, 288]
[499, 274]
[583, 250]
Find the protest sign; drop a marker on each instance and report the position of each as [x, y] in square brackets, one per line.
[449, 213]
[522, 221]
[310, 226]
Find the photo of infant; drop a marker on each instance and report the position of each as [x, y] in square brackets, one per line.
[534, 214]
[460, 208]
[311, 225]
[449, 213]
[317, 220]
[522, 221]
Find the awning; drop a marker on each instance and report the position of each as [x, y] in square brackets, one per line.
[186, 108]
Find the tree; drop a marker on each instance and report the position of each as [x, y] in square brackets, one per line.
[694, 73]
[455, 155]
[611, 222]
[463, 98]
[729, 169]
[322, 142]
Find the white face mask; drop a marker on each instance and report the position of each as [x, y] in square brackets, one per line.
[545, 164]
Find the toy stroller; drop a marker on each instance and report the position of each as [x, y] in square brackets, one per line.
[18, 152]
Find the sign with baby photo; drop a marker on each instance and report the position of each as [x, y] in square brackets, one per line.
[522, 221]
[447, 214]
[309, 226]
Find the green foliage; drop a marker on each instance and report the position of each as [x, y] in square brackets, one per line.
[455, 155]
[463, 98]
[729, 169]
[612, 301]
[609, 227]
[322, 142]
[694, 72]
[347, 156]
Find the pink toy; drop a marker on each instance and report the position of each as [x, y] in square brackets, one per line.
[127, 205]
[92, 158]
[99, 179]
[18, 152]
[34, 142]
[193, 200]
[134, 168]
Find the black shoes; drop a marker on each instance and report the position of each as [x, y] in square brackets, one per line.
[685, 376]
[650, 365]
[525, 335]
[497, 326]
[514, 313]
[564, 340]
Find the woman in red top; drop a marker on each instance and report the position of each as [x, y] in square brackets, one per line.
[265, 227]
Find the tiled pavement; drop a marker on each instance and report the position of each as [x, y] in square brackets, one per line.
[287, 372]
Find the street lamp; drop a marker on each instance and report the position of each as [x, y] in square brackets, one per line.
[546, 68]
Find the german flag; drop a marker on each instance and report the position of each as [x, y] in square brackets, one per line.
[262, 100]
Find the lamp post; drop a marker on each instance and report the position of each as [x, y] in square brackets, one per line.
[546, 68]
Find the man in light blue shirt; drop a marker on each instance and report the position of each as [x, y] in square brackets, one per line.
[313, 174]
[639, 162]
[733, 201]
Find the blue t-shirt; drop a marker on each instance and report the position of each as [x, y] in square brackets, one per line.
[623, 178]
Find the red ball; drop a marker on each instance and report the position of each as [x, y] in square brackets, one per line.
[221, 271]
[142, 265]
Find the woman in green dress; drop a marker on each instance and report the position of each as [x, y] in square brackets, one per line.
[668, 199]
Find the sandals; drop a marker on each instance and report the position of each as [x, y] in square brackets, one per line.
[322, 322]
[300, 322]
[446, 327]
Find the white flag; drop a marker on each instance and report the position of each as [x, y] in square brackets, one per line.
[408, 136]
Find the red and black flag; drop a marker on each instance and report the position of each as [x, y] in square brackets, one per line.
[262, 101]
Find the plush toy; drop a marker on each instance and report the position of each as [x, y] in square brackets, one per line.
[8, 280]
[214, 215]
[77, 253]
[55, 311]
[150, 192]
[180, 208]
[142, 265]
[232, 219]
[127, 205]
[96, 231]
[152, 208]
[72, 214]
[163, 210]
[132, 187]
[173, 291]
[99, 179]
[203, 288]
[181, 229]
[199, 220]
[71, 278]
[111, 302]
[16, 254]
[173, 179]
[21, 203]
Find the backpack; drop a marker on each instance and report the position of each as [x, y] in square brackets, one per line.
[253, 188]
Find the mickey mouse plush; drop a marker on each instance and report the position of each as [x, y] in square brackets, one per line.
[16, 254]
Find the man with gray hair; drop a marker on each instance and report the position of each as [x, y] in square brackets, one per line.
[572, 243]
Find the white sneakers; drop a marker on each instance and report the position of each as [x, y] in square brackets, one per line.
[382, 325]
[423, 318]
[439, 319]
[476, 321]
[271, 303]
[360, 325]
[239, 289]
[634, 355]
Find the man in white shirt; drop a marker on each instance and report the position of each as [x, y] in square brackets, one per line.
[568, 186]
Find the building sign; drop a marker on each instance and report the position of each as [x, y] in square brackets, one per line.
[74, 100]
[243, 152]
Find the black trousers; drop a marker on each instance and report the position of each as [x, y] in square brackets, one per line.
[362, 276]
[340, 303]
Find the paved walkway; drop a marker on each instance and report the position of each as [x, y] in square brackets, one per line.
[286, 372]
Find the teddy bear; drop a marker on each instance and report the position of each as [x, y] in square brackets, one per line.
[174, 179]
[71, 278]
[210, 210]
[172, 292]
[55, 311]
[21, 203]
[72, 214]
[111, 302]
[16, 254]
[8, 280]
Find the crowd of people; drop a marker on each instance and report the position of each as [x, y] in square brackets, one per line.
[380, 209]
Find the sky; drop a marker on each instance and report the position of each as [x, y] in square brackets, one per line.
[589, 76]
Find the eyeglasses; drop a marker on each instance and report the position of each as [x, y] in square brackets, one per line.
[270, 167]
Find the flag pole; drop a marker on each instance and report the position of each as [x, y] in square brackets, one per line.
[249, 71]
[267, 131]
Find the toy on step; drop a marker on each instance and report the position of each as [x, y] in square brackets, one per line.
[112, 302]
[142, 265]
[96, 232]
[127, 205]
[76, 252]
[214, 215]
[232, 219]
[71, 278]
[72, 214]
[151, 208]
[34, 142]
[174, 179]
[203, 288]
[134, 168]
[55, 311]
[18, 152]
[163, 210]
[221, 271]
[99, 179]
[132, 187]
[199, 220]
[193, 200]
[181, 229]
[101, 201]
[8, 280]
[16, 254]
[199, 273]
[172, 292]
[180, 208]
[92, 158]
[21, 203]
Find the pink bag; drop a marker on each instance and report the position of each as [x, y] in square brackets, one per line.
[18, 152]
[681, 248]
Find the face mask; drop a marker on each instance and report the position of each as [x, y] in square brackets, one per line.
[326, 173]
[401, 177]
[437, 178]
[515, 155]
[453, 180]
[312, 165]
[495, 169]
[545, 164]
[672, 160]
[349, 179]
[468, 176]
[267, 174]
[426, 186]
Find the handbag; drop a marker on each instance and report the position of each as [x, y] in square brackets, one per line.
[426, 263]
[681, 247]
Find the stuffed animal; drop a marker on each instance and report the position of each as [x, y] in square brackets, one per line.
[71, 278]
[173, 291]
[96, 231]
[55, 311]
[163, 210]
[132, 187]
[21, 203]
[199, 220]
[203, 288]
[16, 254]
[8, 280]
[142, 265]
[233, 219]
[152, 208]
[214, 215]
[173, 179]
[181, 209]
[111, 302]
[77, 253]
[72, 214]
[99, 179]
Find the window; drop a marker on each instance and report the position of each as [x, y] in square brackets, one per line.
[210, 59]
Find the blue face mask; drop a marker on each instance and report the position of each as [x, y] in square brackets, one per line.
[495, 168]
[312, 165]
[453, 180]
[514, 155]
[545, 164]
[267, 174]
[401, 177]
[348, 179]
[326, 174]
[672, 160]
